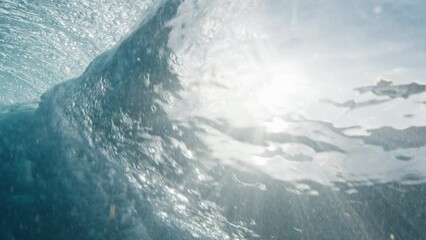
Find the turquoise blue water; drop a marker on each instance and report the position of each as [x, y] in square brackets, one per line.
[212, 120]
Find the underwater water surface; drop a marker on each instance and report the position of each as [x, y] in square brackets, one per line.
[224, 119]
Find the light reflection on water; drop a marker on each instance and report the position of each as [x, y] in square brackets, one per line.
[325, 92]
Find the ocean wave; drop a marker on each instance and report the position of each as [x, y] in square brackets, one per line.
[168, 136]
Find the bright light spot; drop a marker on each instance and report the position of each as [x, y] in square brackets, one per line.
[276, 125]
[285, 90]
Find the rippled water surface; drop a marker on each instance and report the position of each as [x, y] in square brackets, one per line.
[194, 119]
[46, 42]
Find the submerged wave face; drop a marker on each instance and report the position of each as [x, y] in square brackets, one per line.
[160, 138]
[105, 160]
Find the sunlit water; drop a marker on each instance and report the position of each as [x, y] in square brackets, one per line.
[213, 120]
